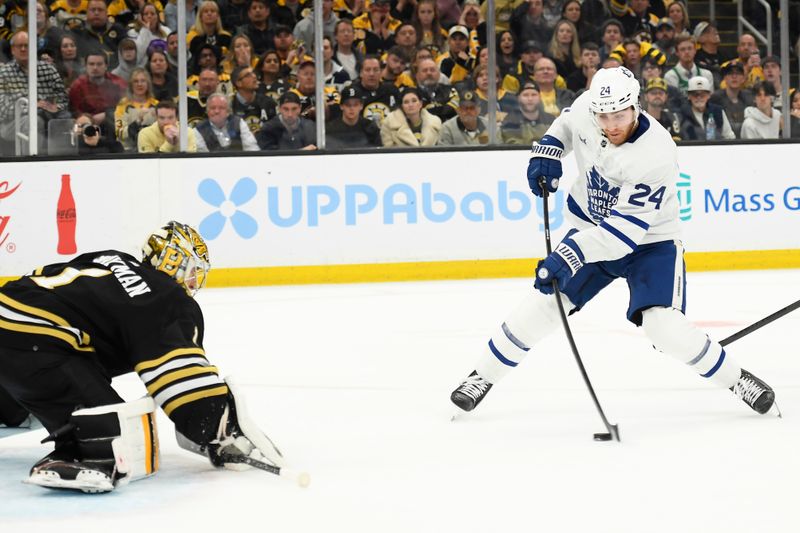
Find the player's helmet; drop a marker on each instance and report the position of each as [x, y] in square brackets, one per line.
[614, 89]
[179, 251]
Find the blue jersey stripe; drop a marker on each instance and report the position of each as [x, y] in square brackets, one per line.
[716, 366]
[500, 357]
[632, 219]
[575, 209]
[618, 234]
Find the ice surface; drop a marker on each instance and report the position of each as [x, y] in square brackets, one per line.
[352, 382]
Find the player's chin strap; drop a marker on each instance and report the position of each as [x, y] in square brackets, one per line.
[240, 444]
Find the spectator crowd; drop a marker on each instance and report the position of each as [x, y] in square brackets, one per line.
[397, 73]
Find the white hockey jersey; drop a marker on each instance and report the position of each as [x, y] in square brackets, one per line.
[624, 195]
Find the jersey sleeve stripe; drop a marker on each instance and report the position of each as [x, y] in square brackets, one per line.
[178, 362]
[632, 219]
[178, 390]
[179, 375]
[197, 395]
[575, 209]
[618, 234]
[146, 365]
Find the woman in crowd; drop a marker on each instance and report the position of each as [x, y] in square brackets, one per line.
[411, 125]
[471, 19]
[272, 75]
[149, 29]
[164, 82]
[507, 58]
[429, 29]
[794, 107]
[572, 12]
[240, 55]
[208, 29]
[679, 16]
[506, 101]
[343, 51]
[136, 110]
[564, 48]
[47, 35]
[67, 62]
[335, 75]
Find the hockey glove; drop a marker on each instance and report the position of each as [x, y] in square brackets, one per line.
[559, 266]
[545, 161]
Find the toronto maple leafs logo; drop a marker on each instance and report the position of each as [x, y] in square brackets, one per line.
[600, 195]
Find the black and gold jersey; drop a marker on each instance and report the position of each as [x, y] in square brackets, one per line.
[12, 18]
[379, 102]
[255, 113]
[122, 314]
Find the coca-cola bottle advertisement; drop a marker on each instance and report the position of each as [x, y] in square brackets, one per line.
[66, 218]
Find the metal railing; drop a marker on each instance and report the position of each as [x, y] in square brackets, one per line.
[743, 22]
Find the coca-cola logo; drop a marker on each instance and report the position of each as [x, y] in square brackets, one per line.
[5, 191]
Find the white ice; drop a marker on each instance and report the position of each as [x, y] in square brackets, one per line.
[352, 382]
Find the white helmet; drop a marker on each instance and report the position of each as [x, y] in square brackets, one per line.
[614, 89]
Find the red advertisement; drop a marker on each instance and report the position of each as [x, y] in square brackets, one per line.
[66, 218]
[6, 191]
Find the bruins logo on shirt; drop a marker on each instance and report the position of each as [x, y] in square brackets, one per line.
[253, 122]
[376, 111]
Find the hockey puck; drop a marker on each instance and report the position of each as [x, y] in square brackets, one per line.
[602, 436]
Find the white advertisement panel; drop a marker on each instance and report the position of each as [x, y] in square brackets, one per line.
[367, 208]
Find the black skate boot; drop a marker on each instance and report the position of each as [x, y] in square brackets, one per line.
[754, 392]
[471, 391]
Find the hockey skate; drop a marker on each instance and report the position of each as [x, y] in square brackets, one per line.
[471, 392]
[61, 469]
[755, 393]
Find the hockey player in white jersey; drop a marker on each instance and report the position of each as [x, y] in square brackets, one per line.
[623, 209]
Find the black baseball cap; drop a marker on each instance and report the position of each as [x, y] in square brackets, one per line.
[350, 92]
[290, 97]
[531, 46]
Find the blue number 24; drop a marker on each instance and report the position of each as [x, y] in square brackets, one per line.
[644, 191]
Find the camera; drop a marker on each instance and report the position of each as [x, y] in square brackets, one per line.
[90, 131]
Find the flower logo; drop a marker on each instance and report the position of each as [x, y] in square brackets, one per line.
[228, 208]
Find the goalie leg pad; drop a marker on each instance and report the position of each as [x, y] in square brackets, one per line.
[101, 448]
[671, 332]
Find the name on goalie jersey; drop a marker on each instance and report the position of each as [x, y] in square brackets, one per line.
[133, 284]
[601, 197]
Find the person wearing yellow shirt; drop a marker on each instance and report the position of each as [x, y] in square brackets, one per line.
[162, 136]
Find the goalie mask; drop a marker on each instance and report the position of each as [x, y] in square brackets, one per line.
[179, 251]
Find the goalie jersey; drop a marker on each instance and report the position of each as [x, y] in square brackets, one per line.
[624, 195]
[124, 316]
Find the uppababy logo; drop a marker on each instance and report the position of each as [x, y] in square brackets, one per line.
[228, 208]
[685, 196]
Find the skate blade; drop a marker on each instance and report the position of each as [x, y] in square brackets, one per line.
[774, 410]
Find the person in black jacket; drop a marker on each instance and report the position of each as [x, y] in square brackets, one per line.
[351, 130]
[288, 130]
[92, 140]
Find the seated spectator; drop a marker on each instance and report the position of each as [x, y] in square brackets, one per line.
[411, 125]
[254, 108]
[553, 99]
[165, 83]
[507, 58]
[271, 76]
[679, 16]
[234, 15]
[794, 114]
[750, 58]
[580, 80]
[374, 30]
[352, 130]
[428, 24]
[467, 128]
[655, 103]
[527, 22]
[442, 99]
[708, 56]
[530, 53]
[97, 92]
[632, 53]
[501, 10]
[380, 98]
[149, 29]
[457, 63]
[288, 130]
[450, 12]
[529, 122]
[472, 19]
[679, 75]
[47, 35]
[172, 52]
[307, 91]
[163, 136]
[396, 64]
[665, 40]
[650, 70]
[52, 99]
[100, 33]
[127, 59]
[69, 14]
[196, 100]
[222, 131]
[304, 29]
[259, 27]
[611, 35]
[348, 9]
[564, 48]
[335, 75]
[506, 102]
[208, 57]
[67, 62]
[343, 51]
[406, 38]
[136, 110]
[91, 140]
[283, 42]
[762, 121]
[240, 55]
[571, 11]
[208, 29]
[734, 98]
[772, 76]
[635, 16]
[171, 14]
[701, 120]
[288, 12]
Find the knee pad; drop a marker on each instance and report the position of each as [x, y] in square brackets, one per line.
[535, 317]
[671, 332]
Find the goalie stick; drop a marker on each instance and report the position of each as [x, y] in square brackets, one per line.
[613, 429]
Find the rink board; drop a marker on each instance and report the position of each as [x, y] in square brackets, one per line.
[379, 217]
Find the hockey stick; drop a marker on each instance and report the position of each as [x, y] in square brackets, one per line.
[613, 429]
[760, 324]
[301, 478]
